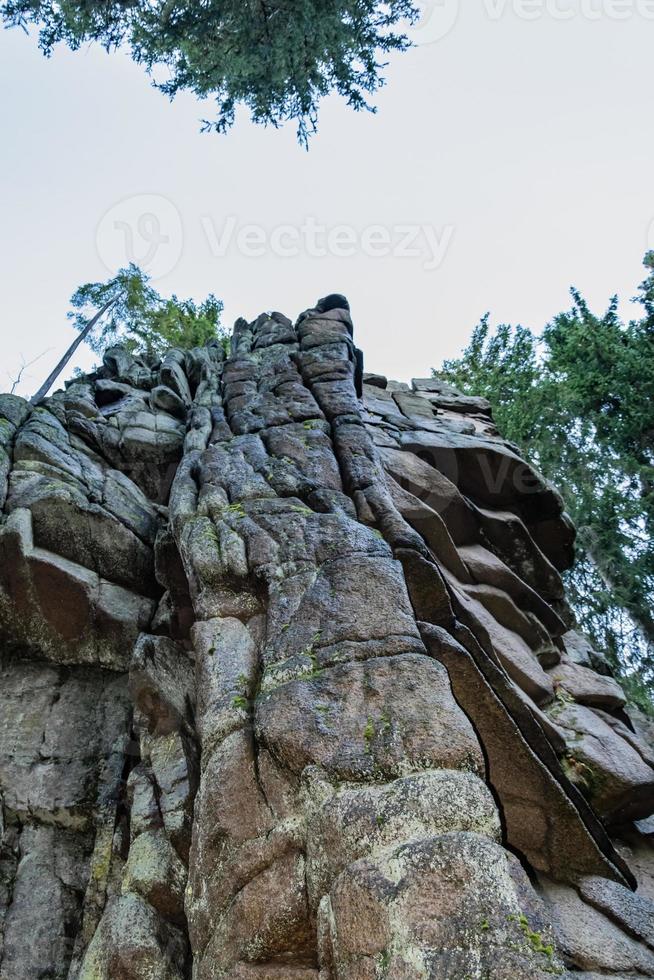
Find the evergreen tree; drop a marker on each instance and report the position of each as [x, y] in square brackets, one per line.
[141, 319]
[126, 309]
[577, 401]
[277, 57]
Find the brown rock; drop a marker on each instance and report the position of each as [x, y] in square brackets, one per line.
[350, 823]
[378, 917]
[542, 821]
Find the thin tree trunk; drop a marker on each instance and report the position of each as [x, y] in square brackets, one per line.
[52, 377]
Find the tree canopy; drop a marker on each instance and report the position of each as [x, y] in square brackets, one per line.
[277, 57]
[578, 401]
[126, 309]
[140, 318]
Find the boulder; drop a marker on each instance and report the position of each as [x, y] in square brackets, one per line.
[608, 769]
[590, 940]
[402, 934]
[161, 683]
[387, 717]
[155, 872]
[588, 687]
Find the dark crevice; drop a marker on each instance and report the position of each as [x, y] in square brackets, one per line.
[256, 749]
[131, 759]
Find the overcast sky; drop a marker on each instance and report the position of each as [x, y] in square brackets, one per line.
[512, 156]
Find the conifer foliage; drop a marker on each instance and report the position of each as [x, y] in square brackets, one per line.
[141, 319]
[578, 401]
[277, 57]
[126, 309]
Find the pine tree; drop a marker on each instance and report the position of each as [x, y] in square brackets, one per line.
[126, 309]
[143, 320]
[577, 401]
[277, 57]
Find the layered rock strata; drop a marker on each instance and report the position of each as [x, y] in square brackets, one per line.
[291, 690]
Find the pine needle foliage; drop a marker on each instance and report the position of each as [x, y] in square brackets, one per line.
[278, 58]
[143, 320]
[578, 402]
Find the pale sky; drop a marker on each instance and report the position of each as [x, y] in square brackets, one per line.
[510, 158]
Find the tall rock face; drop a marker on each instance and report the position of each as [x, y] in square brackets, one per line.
[291, 690]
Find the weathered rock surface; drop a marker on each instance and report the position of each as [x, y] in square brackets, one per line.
[290, 689]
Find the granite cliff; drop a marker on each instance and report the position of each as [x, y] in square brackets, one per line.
[290, 688]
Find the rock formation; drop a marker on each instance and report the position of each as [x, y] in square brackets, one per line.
[290, 686]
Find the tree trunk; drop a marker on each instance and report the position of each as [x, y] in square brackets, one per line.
[52, 377]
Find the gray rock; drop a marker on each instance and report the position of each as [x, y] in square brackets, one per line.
[62, 739]
[433, 386]
[288, 680]
[592, 941]
[133, 941]
[588, 687]
[632, 912]
[580, 651]
[374, 380]
[155, 872]
[44, 913]
[161, 684]
[606, 766]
